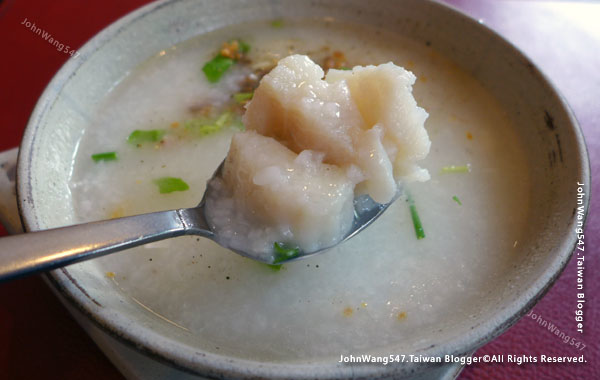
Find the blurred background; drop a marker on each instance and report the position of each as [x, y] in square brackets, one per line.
[39, 339]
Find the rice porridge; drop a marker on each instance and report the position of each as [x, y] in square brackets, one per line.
[382, 288]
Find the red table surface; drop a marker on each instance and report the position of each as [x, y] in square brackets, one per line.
[39, 339]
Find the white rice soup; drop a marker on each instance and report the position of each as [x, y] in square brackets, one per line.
[384, 287]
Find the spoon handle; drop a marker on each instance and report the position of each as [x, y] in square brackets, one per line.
[44, 250]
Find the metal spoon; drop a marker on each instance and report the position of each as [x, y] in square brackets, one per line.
[39, 251]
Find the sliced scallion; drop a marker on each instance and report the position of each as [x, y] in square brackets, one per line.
[274, 267]
[140, 136]
[170, 184]
[455, 198]
[106, 156]
[201, 127]
[241, 97]
[204, 126]
[223, 119]
[283, 252]
[456, 169]
[415, 217]
[216, 67]
[243, 47]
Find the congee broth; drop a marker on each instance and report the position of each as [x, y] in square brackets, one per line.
[170, 127]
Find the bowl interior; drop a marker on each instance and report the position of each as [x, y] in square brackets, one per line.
[554, 146]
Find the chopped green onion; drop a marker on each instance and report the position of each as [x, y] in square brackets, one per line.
[201, 127]
[457, 200]
[223, 119]
[106, 156]
[244, 47]
[277, 23]
[415, 217]
[204, 127]
[456, 169]
[274, 267]
[139, 136]
[241, 97]
[216, 67]
[170, 184]
[284, 252]
[345, 68]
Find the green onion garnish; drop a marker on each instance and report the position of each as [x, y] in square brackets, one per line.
[283, 252]
[457, 200]
[274, 267]
[228, 55]
[241, 97]
[139, 136]
[456, 169]
[170, 184]
[216, 67]
[243, 46]
[277, 23]
[106, 156]
[345, 68]
[201, 127]
[223, 119]
[415, 217]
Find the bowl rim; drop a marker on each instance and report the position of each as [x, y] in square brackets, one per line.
[216, 366]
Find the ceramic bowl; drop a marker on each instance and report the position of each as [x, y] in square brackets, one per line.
[555, 151]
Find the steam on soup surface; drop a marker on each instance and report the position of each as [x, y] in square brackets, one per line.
[384, 287]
